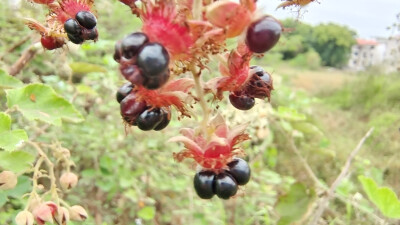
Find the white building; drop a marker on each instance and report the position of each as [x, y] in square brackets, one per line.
[381, 52]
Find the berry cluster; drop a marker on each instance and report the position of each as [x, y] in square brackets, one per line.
[142, 62]
[224, 183]
[137, 113]
[82, 28]
[259, 86]
[67, 20]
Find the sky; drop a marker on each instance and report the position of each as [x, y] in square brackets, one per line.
[369, 18]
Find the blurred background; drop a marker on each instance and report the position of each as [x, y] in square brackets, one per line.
[336, 75]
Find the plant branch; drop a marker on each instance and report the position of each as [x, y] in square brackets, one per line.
[26, 57]
[324, 202]
[202, 101]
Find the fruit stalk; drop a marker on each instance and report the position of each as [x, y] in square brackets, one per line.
[200, 95]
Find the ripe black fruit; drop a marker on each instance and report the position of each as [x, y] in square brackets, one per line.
[117, 51]
[157, 81]
[225, 186]
[204, 184]
[153, 59]
[242, 102]
[86, 19]
[240, 170]
[132, 43]
[258, 70]
[72, 27]
[90, 34]
[75, 39]
[123, 91]
[149, 119]
[263, 34]
[166, 113]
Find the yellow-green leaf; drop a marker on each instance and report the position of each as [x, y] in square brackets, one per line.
[383, 197]
[11, 139]
[41, 102]
[7, 81]
[5, 122]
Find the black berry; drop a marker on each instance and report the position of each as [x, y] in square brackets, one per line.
[225, 186]
[90, 34]
[72, 27]
[263, 34]
[131, 108]
[166, 114]
[157, 81]
[117, 51]
[149, 119]
[86, 19]
[240, 170]
[153, 59]
[258, 70]
[204, 184]
[123, 91]
[132, 43]
[241, 101]
[75, 39]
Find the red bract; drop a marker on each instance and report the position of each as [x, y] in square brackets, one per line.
[162, 24]
[69, 8]
[174, 93]
[235, 72]
[214, 151]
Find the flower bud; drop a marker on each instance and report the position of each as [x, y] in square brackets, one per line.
[62, 216]
[8, 180]
[24, 218]
[68, 180]
[78, 213]
[53, 207]
[43, 214]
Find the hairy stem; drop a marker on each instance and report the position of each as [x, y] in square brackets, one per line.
[202, 101]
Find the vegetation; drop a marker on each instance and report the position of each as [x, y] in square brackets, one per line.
[299, 143]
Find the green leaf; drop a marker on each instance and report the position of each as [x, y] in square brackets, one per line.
[17, 161]
[7, 81]
[290, 114]
[41, 102]
[383, 197]
[292, 206]
[5, 122]
[85, 68]
[147, 213]
[11, 139]
[306, 128]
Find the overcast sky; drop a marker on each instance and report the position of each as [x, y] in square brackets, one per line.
[369, 18]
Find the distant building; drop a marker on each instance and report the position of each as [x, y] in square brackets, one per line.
[380, 52]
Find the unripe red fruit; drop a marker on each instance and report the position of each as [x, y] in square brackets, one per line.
[263, 34]
[50, 43]
[131, 108]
